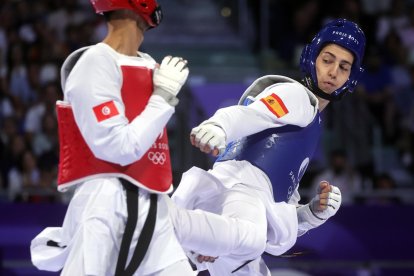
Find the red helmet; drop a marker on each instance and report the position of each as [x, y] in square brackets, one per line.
[149, 10]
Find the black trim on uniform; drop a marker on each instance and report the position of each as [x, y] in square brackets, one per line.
[54, 244]
[240, 267]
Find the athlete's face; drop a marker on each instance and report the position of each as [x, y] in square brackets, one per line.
[333, 67]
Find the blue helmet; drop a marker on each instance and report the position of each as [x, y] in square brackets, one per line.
[343, 33]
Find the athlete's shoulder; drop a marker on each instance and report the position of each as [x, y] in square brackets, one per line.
[100, 51]
[146, 57]
[292, 98]
[286, 90]
[269, 84]
[91, 55]
[290, 88]
[89, 61]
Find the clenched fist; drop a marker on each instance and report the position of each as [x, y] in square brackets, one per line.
[209, 138]
[323, 206]
[327, 201]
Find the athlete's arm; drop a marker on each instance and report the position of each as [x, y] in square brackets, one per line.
[96, 80]
[276, 106]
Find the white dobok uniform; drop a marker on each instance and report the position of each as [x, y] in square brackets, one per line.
[251, 221]
[90, 238]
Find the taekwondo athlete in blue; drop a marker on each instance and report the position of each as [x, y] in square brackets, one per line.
[265, 144]
[288, 146]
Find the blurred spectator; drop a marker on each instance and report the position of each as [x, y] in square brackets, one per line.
[30, 183]
[352, 10]
[3, 41]
[46, 191]
[407, 34]
[6, 105]
[406, 139]
[375, 88]
[19, 85]
[402, 76]
[406, 144]
[341, 174]
[49, 72]
[392, 50]
[14, 149]
[305, 20]
[384, 191]
[392, 20]
[66, 14]
[23, 176]
[46, 140]
[296, 22]
[8, 130]
[374, 7]
[349, 125]
[33, 120]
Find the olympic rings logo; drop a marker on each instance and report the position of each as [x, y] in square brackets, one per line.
[157, 158]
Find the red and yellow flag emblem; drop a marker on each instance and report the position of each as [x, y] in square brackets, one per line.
[275, 105]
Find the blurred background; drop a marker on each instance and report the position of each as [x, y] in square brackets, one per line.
[367, 147]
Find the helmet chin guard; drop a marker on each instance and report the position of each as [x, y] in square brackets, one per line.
[149, 10]
[344, 33]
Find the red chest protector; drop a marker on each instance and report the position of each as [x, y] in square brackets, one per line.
[77, 163]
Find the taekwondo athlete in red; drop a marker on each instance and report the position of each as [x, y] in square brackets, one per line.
[114, 153]
[269, 139]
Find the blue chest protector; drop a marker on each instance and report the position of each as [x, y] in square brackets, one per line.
[283, 153]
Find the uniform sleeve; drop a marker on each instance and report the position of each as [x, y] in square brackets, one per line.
[96, 81]
[303, 225]
[295, 198]
[276, 106]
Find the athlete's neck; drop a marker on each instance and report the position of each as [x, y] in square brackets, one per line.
[323, 98]
[322, 103]
[124, 36]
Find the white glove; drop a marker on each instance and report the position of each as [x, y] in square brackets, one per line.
[323, 206]
[169, 77]
[209, 138]
[326, 207]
